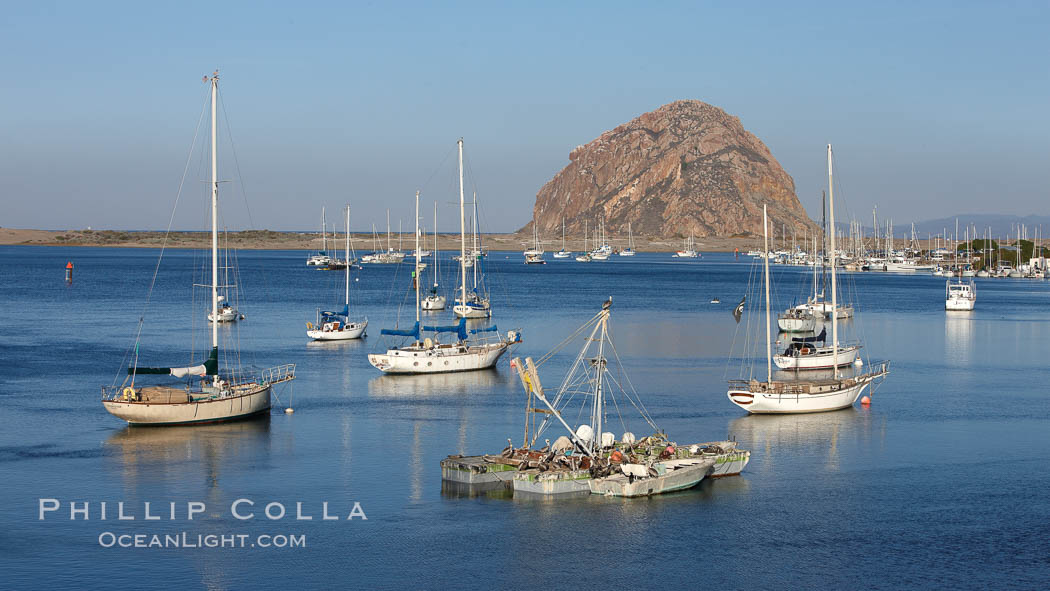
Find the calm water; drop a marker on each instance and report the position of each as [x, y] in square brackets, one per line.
[941, 483]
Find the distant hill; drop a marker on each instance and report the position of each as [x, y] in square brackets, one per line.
[685, 168]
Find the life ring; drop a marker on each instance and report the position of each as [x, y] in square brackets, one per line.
[309, 326]
[804, 350]
[129, 393]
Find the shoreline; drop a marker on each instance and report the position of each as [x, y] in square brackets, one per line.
[362, 242]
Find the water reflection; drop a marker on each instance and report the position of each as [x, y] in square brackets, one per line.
[792, 437]
[436, 385]
[958, 337]
[146, 454]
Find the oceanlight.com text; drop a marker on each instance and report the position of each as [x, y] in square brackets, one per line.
[193, 541]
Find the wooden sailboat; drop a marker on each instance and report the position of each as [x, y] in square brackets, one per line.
[429, 355]
[212, 393]
[805, 394]
[338, 326]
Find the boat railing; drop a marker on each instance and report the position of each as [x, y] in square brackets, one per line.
[277, 374]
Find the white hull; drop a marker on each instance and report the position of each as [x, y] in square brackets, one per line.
[627, 253]
[433, 303]
[561, 254]
[462, 311]
[824, 357]
[438, 359]
[834, 398]
[225, 316]
[959, 304]
[179, 413]
[354, 330]
[806, 324]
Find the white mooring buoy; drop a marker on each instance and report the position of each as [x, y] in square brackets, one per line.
[289, 410]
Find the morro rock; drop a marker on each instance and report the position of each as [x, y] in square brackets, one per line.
[685, 168]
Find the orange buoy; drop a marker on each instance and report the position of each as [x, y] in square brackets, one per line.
[69, 272]
[865, 401]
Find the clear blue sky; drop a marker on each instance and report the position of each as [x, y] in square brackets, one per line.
[934, 108]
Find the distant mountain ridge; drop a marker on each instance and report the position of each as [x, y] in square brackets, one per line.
[1004, 226]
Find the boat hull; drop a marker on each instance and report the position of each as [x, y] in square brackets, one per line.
[846, 356]
[396, 361]
[475, 471]
[231, 408]
[958, 304]
[462, 311]
[433, 303]
[807, 324]
[351, 331]
[677, 475]
[797, 403]
[562, 482]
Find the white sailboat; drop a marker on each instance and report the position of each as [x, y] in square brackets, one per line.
[429, 355]
[226, 312]
[629, 251]
[805, 395]
[474, 304]
[534, 255]
[434, 300]
[209, 395]
[563, 254]
[321, 259]
[689, 252]
[338, 326]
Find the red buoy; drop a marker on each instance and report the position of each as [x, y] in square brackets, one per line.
[69, 272]
[865, 401]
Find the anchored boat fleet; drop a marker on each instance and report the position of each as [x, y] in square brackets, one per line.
[584, 458]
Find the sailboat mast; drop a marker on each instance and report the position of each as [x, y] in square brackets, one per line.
[474, 240]
[437, 273]
[834, 284]
[765, 274]
[596, 440]
[462, 229]
[347, 261]
[415, 273]
[214, 224]
[324, 232]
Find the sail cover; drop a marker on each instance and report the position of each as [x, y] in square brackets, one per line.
[413, 332]
[209, 368]
[822, 337]
[460, 329]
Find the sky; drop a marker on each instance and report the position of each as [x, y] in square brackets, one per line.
[934, 108]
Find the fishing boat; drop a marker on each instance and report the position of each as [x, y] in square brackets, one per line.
[204, 392]
[475, 303]
[960, 295]
[589, 459]
[816, 394]
[338, 326]
[434, 300]
[629, 251]
[430, 355]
